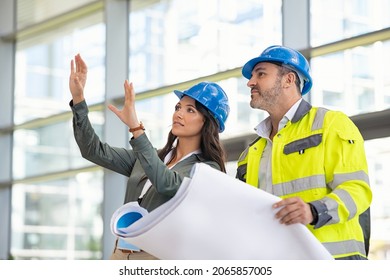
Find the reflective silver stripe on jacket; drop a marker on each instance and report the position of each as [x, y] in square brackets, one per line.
[298, 185]
[332, 206]
[319, 118]
[318, 181]
[343, 195]
[339, 179]
[345, 247]
[348, 202]
[243, 154]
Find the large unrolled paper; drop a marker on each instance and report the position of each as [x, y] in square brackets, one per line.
[214, 216]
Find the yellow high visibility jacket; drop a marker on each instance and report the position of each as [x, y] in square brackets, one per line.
[319, 156]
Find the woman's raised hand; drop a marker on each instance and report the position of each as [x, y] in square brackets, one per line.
[128, 114]
[78, 78]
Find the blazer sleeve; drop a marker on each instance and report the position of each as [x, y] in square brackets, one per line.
[120, 160]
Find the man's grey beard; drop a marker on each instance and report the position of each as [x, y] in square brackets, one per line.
[267, 99]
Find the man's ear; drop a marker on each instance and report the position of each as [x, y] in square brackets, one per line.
[289, 79]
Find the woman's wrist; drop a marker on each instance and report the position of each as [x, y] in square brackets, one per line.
[136, 128]
[77, 100]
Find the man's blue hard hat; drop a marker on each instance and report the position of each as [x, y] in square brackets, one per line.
[213, 97]
[287, 57]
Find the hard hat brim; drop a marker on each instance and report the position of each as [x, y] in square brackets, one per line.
[179, 93]
[248, 68]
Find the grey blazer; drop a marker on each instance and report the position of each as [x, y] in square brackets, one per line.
[139, 164]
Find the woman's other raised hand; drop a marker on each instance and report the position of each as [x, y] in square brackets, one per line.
[78, 78]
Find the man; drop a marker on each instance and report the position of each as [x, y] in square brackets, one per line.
[312, 158]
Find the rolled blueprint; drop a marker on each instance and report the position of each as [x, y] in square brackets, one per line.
[215, 216]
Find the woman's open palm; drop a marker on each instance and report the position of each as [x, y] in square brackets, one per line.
[78, 78]
[127, 115]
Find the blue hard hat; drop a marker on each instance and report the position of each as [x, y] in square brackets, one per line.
[287, 57]
[213, 97]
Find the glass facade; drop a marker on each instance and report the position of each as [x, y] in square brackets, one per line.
[40, 150]
[353, 80]
[35, 11]
[58, 197]
[173, 41]
[378, 157]
[42, 68]
[58, 219]
[334, 20]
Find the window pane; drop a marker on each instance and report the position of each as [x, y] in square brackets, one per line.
[378, 156]
[173, 40]
[58, 219]
[33, 11]
[49, 148]
[334, 20]
[43, 67]
[241, 120]
[354, 80]
[156, 113]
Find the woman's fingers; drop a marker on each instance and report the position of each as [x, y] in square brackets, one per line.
[76, 59]
[72, 67]
[128, 87]
[129, 91]
[82, 65]
[114, 109]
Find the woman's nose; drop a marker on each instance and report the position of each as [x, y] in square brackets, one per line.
[179, 114]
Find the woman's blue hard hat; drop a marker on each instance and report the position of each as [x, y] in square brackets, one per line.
[213, 97]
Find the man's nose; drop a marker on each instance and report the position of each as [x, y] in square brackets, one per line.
[250, 83]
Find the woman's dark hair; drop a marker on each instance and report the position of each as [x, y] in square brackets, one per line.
[210, 144]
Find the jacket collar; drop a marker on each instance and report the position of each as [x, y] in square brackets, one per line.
[302, 110]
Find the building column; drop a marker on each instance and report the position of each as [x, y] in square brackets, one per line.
[296, 24]
[115, 132]
[296, 27]
[7, 58]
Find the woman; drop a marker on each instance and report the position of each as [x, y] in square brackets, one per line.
[154, 176]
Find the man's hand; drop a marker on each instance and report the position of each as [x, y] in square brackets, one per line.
[293, 210]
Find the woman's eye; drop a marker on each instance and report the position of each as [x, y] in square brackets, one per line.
[177, 108]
